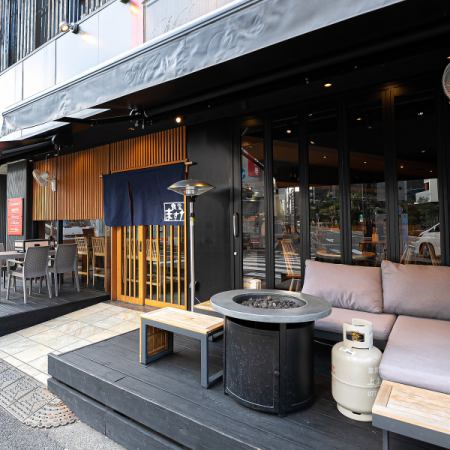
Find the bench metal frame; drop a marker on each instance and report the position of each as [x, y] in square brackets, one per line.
[207, 380]
[389, 425]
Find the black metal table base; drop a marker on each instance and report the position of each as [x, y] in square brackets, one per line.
[269, 367]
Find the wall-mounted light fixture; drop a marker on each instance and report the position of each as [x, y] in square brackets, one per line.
[65, 27]
[178, 119]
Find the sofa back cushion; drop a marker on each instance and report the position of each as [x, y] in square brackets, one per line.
[349, 287]
[416, 290]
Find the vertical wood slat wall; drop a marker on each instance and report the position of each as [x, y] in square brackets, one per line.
[44, 200]
[79, 193]
[155, 149]
[80, 184]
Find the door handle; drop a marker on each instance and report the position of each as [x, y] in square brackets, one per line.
[236, 225]
[140, 246]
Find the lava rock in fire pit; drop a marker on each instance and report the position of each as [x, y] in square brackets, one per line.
[269, 302]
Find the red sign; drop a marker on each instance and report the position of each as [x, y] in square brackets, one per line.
[15, 216]
[253, 169]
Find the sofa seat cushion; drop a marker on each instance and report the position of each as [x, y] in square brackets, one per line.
[382, 323]
[418, 354]
[414, 290]
[344, 286]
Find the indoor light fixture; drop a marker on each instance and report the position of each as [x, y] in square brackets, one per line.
[359, 119]
[327, 85]
[288, 131]
[178, 119]
[64, 27]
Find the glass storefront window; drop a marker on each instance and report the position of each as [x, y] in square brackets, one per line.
[367, 182]
[324, 202]
[253, 205]
[417, 174]
[286, 200]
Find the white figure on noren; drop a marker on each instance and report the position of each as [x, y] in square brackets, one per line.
[173, 212]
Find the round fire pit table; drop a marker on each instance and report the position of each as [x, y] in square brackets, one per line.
[268, 348]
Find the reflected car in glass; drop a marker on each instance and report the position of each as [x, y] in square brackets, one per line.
[430, 238]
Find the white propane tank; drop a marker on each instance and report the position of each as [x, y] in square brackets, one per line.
[354, 371]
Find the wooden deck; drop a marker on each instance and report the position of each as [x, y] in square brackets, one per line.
[163, 406]
[15, 315]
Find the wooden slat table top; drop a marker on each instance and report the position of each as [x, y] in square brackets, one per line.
[412, 405]
[196, 322]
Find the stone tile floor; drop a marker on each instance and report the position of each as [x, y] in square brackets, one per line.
[28, 349]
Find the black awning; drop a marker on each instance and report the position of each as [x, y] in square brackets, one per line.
[228, 33]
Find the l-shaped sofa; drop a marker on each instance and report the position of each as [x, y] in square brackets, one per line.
[409, 307]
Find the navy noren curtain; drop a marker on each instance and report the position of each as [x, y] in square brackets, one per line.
[137, 197]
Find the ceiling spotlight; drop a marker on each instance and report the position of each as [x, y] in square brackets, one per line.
[64, 27]
[423, 151]
[364, 162]
[288, 131]
[312, 142]
[327, 85]
[359, 119]
[324, 157]
[402, 167]
[420, 113]
[178, 119]
[431, 171]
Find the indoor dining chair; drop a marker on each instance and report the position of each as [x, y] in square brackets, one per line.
[34, 266]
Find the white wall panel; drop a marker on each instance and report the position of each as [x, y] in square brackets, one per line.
[11, 86]
[120, 29]
[162, 16]
[76, 53]
[39, 70]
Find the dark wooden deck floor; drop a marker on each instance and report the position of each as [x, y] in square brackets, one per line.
[163, 406]
[15, 315]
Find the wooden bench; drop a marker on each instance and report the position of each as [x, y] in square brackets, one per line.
[206, 308]
[158, 328]
[417, 413]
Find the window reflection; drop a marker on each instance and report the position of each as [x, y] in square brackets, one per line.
[367, 186]
[253, 205]
[324, 186]
[286, 200]
[419, 228]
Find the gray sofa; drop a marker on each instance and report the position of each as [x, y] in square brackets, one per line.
[409, 306]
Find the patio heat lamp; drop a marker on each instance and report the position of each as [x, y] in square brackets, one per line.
[191, 189]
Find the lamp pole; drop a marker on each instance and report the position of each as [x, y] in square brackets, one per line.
[191, 200]
[191, 189]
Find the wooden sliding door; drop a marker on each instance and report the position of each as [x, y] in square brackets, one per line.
[150, 265]
[129, 273]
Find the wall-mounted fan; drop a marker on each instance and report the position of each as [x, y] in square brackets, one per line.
[43, 178]
[446, 81]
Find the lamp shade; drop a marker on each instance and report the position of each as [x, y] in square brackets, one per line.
[190, 188]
